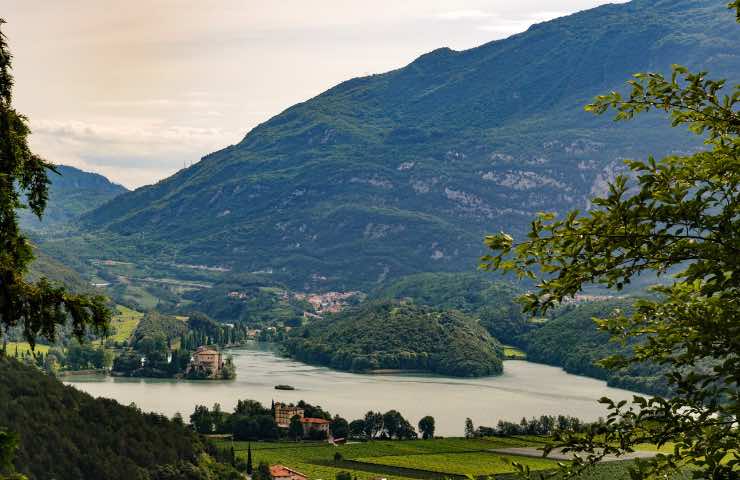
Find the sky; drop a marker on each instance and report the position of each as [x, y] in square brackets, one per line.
[136, 90]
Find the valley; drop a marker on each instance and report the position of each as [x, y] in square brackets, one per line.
[430, 272]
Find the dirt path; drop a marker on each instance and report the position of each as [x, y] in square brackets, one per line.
[558, 454]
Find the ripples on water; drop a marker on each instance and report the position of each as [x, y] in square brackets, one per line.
[524, 390]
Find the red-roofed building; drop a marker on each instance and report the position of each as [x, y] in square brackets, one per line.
[315, 426]
[280, 472]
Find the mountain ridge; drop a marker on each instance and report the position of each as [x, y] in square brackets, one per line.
[405, 171]
[72, 192]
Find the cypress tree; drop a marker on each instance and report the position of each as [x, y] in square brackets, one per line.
[249, 459]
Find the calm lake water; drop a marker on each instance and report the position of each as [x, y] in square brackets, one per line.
[525, 389]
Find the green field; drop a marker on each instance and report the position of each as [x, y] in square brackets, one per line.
[471, 463]
[124, 323]
[514, 353]
[415, 459]
[24, 347]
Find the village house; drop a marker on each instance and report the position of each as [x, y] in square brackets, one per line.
[283, 414]
[280, 472]
[206, 360]
[312, 426]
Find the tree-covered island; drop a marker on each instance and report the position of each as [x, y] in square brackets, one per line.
[399, 336]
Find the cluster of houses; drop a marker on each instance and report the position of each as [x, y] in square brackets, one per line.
[329, 302]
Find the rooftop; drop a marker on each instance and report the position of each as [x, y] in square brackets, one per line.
[314, 420]
[206, 352]
[277, 471]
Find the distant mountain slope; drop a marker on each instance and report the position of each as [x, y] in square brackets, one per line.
[72, 193]
[406, 171]
[52, 269]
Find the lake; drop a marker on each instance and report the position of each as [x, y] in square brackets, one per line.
[525, 389]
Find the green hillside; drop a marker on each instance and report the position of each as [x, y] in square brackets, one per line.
[44, 265]
[67, 434]
[492, 302]
[405, 171]
[390, 335]
[72, 193]
[570, 339]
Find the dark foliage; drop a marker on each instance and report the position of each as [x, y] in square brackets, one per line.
[492, 302]
[249, 421]
[155, 328]
[67, 434]
[381, 335]
[570, 339]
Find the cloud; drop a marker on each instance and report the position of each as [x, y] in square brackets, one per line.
[464, 15]
[510, 26]
[126, 151]
[159, 103]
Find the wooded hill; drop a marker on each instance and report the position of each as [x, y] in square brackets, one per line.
[391, 335]
[480, 295]
[570, 339]
[68, 435]
[567, 338]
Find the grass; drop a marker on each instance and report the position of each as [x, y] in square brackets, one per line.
[125, 323]
[24, 347]
[649, 447]
[471, 463]
[514, 353]
[415, 459]
[444, 458]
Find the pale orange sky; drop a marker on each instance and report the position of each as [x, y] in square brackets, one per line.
[134, 90]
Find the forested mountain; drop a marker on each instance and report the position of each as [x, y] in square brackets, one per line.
[52, 269]
[392, 335]
[405, 171]
[72, 193]
[67, 434]
[570, 339]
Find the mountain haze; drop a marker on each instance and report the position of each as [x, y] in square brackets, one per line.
[405, 171]
[72, 193]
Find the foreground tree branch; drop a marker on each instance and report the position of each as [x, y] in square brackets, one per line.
[679, 213]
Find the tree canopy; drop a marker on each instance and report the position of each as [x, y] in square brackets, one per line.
[680, 213]
[392, 335]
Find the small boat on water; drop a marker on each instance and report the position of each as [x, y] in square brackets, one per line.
[284, 387]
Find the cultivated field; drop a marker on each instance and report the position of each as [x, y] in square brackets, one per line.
[24, 347]
[124, 323]
[415, 459]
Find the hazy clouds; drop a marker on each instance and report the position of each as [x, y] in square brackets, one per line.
[137, 89]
